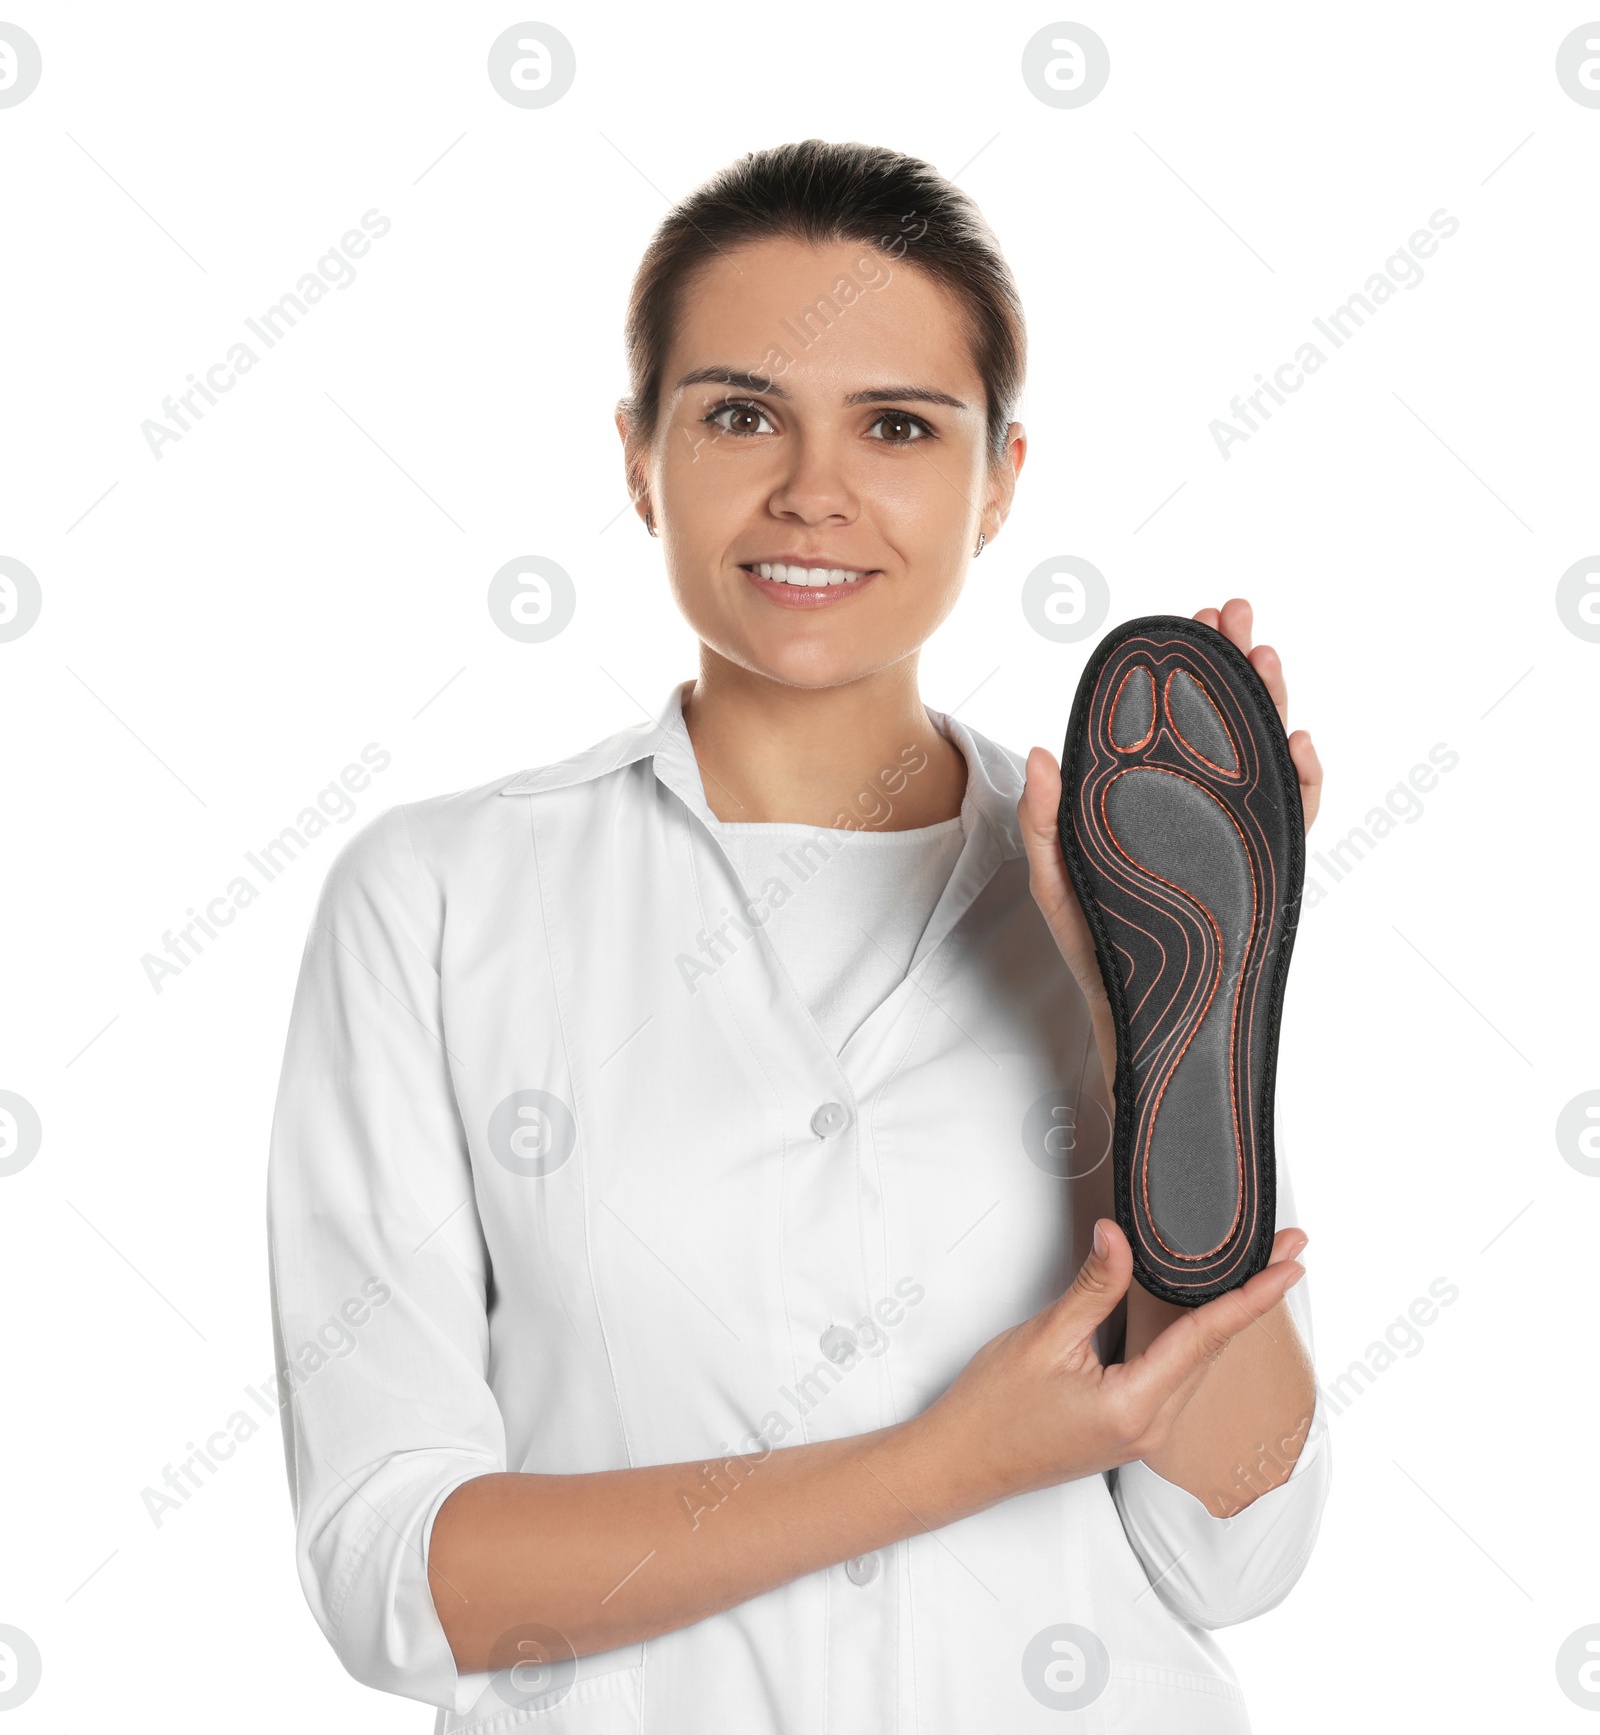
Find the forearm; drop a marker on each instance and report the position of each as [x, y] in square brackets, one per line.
[612, 1557]
[1242, 1431]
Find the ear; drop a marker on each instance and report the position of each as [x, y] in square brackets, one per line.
[632, 459]
[1002, 480]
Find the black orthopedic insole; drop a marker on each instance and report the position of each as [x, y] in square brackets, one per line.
[1184, 837]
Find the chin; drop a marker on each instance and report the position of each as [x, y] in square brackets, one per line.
[838, 671]
[813, 666]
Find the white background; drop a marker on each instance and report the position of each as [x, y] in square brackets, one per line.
[306, 570]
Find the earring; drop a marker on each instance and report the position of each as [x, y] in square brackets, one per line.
[649, 521]
[979, 549]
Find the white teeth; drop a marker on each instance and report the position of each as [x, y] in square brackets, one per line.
[813, 576]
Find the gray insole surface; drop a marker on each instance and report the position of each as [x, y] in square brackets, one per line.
[1176, 829]
[1198, 722]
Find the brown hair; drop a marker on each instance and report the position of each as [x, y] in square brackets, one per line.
[821, 192]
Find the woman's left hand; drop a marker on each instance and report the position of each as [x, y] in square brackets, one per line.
[1235, 619]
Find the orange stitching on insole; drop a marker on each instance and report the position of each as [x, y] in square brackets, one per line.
[1155, 710]
[1183, 740]
[1148, 1120]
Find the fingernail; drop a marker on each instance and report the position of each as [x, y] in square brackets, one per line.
[1101, 1245]
[1299, 1271]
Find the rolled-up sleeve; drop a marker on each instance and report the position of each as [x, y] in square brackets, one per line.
[378, 1271]
[1216, 1572]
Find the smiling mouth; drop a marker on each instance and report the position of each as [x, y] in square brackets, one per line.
[808, 577]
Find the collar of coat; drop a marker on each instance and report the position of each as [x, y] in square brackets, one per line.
[995, 775]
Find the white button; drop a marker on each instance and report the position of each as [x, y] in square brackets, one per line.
[828, 1120]
[838, 1343]
[863, 1569]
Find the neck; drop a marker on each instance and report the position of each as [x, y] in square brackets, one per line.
[863, 754]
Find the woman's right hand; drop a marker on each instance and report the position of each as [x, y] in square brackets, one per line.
[1036, 1406]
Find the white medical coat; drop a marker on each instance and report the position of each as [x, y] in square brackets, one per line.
[563, 1177]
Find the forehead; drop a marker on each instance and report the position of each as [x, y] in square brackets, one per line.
[845, 313]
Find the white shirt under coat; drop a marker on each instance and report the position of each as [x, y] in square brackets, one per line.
[550, 1092]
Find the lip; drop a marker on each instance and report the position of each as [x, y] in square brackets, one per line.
[782, 595]
[791, 557]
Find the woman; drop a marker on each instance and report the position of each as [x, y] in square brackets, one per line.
[700, 1143]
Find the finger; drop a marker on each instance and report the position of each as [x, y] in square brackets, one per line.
[1041, 793]
[1237, 619]
[1101, 1283]
[1183, 1353]
[1208, 617]
[1308, 767]
[1038, 817]
[1288, 1244]
[1269, 666]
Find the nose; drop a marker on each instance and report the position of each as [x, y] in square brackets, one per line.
[813, 488]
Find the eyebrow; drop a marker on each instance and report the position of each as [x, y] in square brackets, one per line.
[749, 382]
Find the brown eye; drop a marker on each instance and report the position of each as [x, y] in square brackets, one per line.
[740, 418]
[901, 429]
